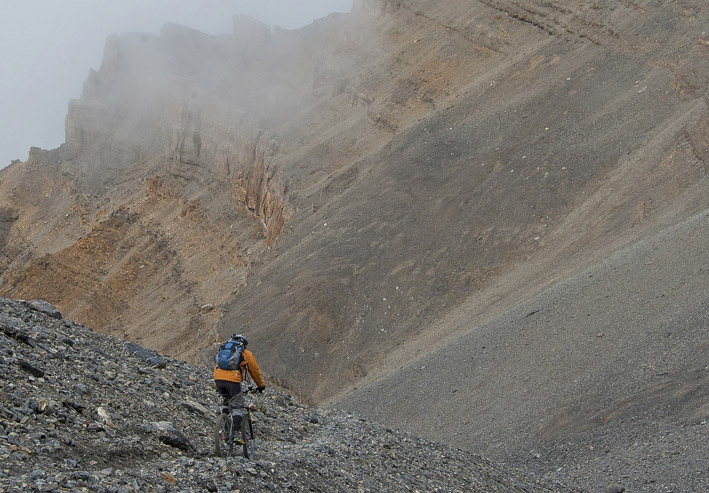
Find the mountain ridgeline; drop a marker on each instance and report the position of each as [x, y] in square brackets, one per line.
[490, 212]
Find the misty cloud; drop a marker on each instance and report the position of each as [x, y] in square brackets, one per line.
[48, 48]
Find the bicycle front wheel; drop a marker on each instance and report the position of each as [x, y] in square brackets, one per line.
[247, 434]
[223, 442]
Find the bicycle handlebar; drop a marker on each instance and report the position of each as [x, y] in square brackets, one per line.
[250, 385]
[251, 388]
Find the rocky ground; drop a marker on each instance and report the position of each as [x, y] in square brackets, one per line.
[424, 177]
[82, 411]
[601, 381]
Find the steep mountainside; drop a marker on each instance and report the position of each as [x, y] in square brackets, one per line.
[602, 378]
[82, 411]
[342, 187]
[369, 189]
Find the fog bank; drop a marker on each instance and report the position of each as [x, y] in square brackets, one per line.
[48, 48]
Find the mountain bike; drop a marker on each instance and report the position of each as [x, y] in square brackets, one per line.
[227, 440]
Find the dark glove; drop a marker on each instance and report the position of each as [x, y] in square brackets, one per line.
[261, 389]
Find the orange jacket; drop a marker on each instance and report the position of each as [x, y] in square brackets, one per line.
[247, 358]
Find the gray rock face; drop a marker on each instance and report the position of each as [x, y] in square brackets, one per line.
[83, 411]
[44, 307]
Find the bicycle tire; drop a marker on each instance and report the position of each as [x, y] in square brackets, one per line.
[247, 434]
[223, 438]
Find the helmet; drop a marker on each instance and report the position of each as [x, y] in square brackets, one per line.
[240, 338]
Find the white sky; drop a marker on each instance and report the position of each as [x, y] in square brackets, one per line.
[48, 46]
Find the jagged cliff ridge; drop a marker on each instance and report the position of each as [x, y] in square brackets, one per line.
[83, 411]
[166, 193]
[415, 156]
[360, 191]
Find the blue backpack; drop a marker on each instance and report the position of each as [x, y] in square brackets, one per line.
[230, 355]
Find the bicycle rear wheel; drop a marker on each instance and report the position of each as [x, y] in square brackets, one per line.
[247, 434]
[223, 437]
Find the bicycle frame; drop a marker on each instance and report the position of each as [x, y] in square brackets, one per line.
[226, 436]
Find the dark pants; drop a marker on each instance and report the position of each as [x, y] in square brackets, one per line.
[233, 396]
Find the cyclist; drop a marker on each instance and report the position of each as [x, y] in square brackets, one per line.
[228, 382]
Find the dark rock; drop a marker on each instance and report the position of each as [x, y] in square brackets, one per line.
[95, 427]
[13, 328]
[170, 436]
[38, 406]
[149, 355]
[209, 485]
[197, 408]
[44, 307]
[29, 368]
[157, 362]
[104, 354]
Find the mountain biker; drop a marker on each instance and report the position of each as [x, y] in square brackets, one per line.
[228, 382]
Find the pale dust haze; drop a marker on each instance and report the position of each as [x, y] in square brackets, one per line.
[48, 47]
